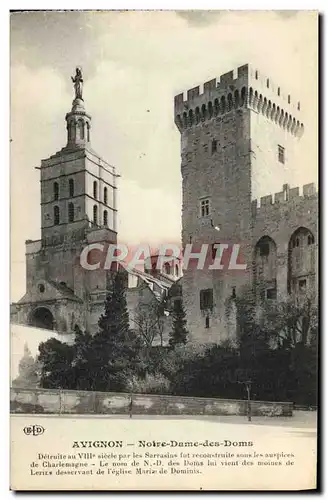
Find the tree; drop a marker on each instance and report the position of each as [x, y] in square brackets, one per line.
[99, 362]
[28, 371]
[56, 359]
[291, 322]
[149, 321]
[114, 348]
[179, 332]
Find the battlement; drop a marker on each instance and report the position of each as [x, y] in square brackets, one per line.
[242, 88]
[288, 196]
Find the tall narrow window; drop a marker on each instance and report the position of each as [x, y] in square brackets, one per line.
[268, 82]
[207, 322]
[278, 91]
[70, 212]
[256, 75]
[205, 207]
[56, 215]
[95, 190]
[95, 214]
[105, 195]
[105, 218]
[214, 146]
[167, 268]
[71, 188]
[206, 299]
[81, 129]
[56, 190]
[281, 154]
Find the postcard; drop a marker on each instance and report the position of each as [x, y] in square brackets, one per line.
[164, 250]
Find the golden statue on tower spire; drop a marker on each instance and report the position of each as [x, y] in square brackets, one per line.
[78, 83]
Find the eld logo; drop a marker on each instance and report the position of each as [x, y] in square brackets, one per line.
[33, 430]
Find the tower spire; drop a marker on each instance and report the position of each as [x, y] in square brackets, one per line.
[78, 121]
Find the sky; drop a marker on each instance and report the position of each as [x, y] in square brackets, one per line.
[134, 63]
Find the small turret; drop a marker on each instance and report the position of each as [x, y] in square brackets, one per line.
[78, 121]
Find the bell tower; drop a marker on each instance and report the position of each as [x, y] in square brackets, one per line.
[78, 188]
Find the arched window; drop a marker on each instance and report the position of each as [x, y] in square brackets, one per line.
[105, 218]
[243, 96]
[71, 188]
[56, 190]
[197, 114]
[222, 104]
[301, 262]
[265, 270]
[95, 214]
[203, 112]
[216, 107]
[95, 190]
[176, 270]
[56, 215]
[105, 195]
[70, 212]
[310, 239]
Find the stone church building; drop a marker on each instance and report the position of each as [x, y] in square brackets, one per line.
[78, 209]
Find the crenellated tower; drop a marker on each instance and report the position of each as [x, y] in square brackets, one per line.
[241, 139]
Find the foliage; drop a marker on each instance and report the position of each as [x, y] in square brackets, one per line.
[102, 362]
[149, 321]
[28, 371]
[276, 350]
[56, 359]
[179, 332]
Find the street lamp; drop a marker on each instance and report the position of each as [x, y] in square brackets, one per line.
[248, 386]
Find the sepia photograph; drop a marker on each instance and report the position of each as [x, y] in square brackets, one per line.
[164, 226]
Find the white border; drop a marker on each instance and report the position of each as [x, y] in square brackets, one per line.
[4, 166]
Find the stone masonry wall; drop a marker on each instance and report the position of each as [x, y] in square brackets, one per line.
[54, 401]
